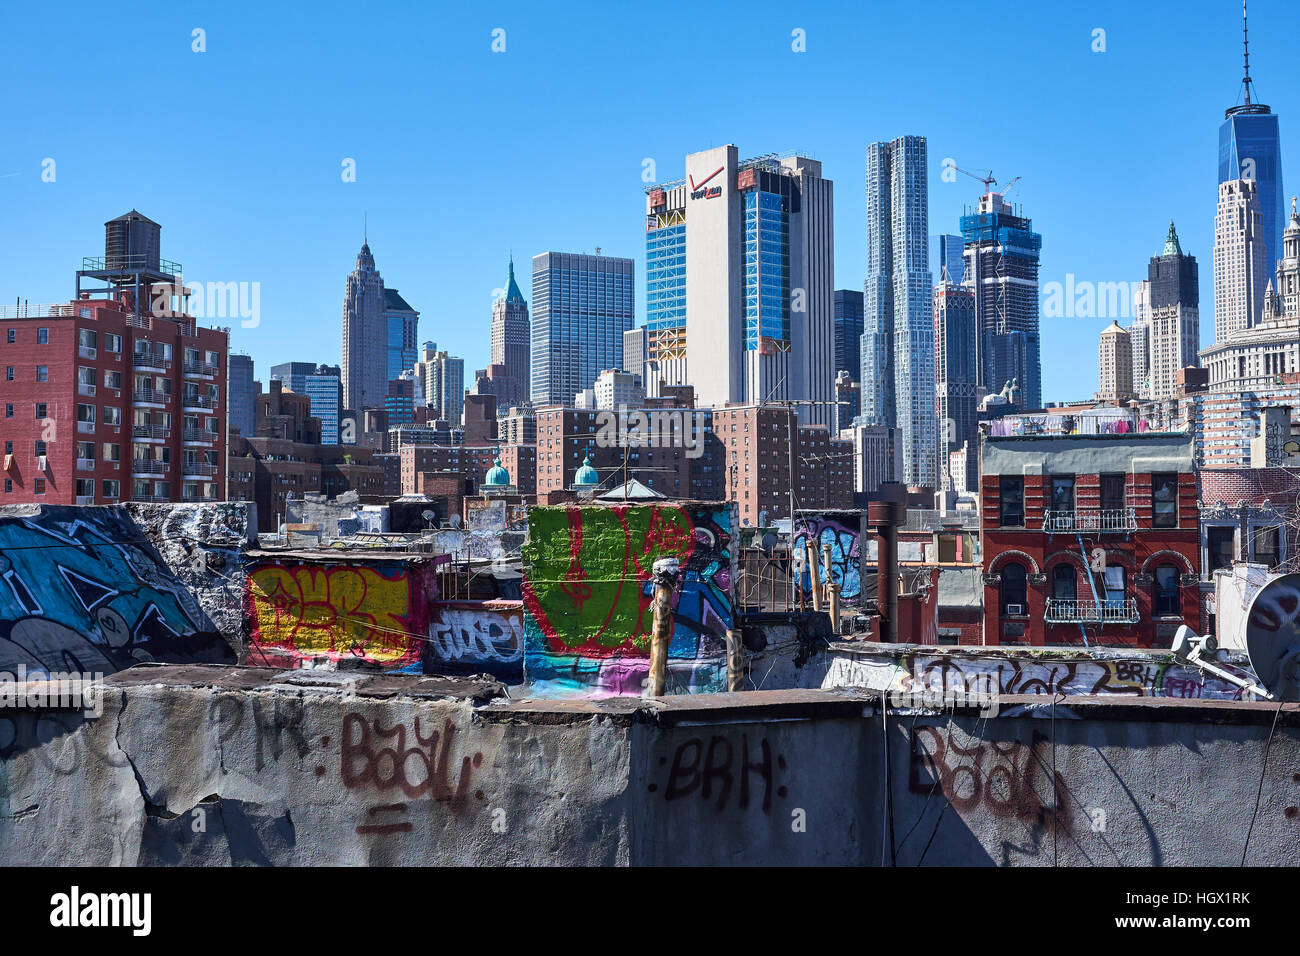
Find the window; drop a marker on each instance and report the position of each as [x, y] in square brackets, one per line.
[1164, 501]
[112, 378]
[42, 373]
[112, 343]
[11, 336]
[9, 486]
[38, 447]
[38, 486]
[86, 413]
[42, 410]
[42, 336]
[112, 415]
[1219, 548]
[112, 451]
[1064, 584]
[1266, 546]
[1115, 579]
[9, 373]
[112, 488]
[1063, 493]
[1112, 493]
[86, 488]
[9, 410]
[1013, 590]
[1165, 596]
[1011, 502]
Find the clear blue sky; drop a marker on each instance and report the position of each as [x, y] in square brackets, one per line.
[464, 154]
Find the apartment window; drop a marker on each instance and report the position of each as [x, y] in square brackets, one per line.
[1112, 493]
[112, 415]
[112, 343]
[1164, 500]
[38, 447]
[86, 413]
[38, 486]
[9, 486]
[1266, 542]
[42, 373]
[42, 336]
[1013, 593]
[112, 488]
[112, 451]
[1064, 583]
[9, 410]
[1165, 595]
[9, 373]
[1063, 493]
[9, 448]
[1115, 579]
[86, 488]
[11, 336]
[1011, 502]
[112, 378]
[42, 410]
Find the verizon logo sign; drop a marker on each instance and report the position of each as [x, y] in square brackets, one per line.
[702, 190]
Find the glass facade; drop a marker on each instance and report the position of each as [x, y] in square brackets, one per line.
[665, 263]
[766, 270]
[1250, 147]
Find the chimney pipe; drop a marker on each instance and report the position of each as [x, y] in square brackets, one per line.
[885, 516]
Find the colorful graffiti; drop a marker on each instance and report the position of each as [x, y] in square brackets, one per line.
[842, 530]
[992, 673]
[82, 589]
[587, 593]
[377, 611]
[477, 636]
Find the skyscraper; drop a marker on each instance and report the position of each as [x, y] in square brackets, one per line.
[955, 389]
[1115, 365]
[1240, 257]
[1250, 147]
[243, 394]
[1174, 322]
[949, 254]
[368, 348]
[582, 305]
[848, 331]
[1139, 334]
[1001, 251]
[321, 384]
[635, 346]
[439, 382]
[897, 351]
[744, 310]
[510, 343]
[401, 326]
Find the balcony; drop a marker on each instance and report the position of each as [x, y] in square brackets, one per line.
[199, 434]
[198, 403]
[199, 368]
[85, 388]
[199, 496]
[148, 395]
[149, 466]
[87, 351]
[151, 431]
[1106, 521]
[1061, 611]
[151, 499]
[199, 469]
[147, 360]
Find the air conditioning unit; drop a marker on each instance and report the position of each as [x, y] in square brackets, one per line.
[1014, 609]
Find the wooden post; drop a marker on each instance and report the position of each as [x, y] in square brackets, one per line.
[832, 589]
[815, 584]
[735, 661]
[665, 575]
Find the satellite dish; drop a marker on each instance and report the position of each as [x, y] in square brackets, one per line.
[428, 515]
[454, 521]
[769, 542]
[1273, 636]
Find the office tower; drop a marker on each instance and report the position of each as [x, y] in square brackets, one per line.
[955, 388]
[897, 351]
[848, 401]
[1139, 335]
[739, 282]
[1250, 147]
[635, 346]
[1001, 251]
[848, 331]
[399, 403]
[1174, 321]
[1240, 259]
[322, 384]
[439, 382]
[401, 326]
[582, 305]
[1115, 365]
[243, 393]
[949, 254]
[511, 343]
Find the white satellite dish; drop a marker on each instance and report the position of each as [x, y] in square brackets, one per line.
[1273, 636]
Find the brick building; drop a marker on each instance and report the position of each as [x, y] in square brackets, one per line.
[1089, 538]
[755, 440]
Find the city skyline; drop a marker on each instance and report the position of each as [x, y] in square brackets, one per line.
[453, 282]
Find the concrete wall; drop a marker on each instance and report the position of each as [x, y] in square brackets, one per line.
[213, 765]
[588, 588]
[83, 589]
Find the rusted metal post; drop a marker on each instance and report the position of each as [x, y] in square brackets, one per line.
[815, 586]
[665, 577]
[735, 661]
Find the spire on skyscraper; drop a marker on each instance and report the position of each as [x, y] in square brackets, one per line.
[512, 287]
[1172, 248]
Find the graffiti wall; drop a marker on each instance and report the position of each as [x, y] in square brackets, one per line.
[83, 590]
[844, 532]
[587, 595]
[477, 637]
[1130, 674]
[306, 609]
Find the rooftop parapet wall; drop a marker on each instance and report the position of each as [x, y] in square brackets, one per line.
[84, 589]
[213, 765]
[846, 533]
[588, 588]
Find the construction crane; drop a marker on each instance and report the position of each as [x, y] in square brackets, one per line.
[989, 181]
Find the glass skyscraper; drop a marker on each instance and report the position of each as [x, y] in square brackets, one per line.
[582, 305]
[848, 331]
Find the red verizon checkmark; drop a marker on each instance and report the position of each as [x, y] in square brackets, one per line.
[695, 185]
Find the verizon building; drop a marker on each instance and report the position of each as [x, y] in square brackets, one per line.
[740, 282]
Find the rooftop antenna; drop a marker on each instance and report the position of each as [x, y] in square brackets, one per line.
[1245, 42]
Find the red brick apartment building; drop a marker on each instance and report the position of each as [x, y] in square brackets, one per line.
[101, 405]
[1089, 538]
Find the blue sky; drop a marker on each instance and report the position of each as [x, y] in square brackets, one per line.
[464, 155]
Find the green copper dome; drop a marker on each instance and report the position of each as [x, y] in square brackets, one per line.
[497, 477]
[1172, 248]
[586, 476]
